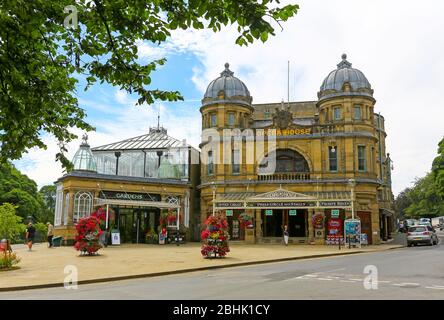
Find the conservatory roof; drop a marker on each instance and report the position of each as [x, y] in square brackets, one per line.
[157, 138]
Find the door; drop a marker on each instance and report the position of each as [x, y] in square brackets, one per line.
[296, 223]
[366, 224]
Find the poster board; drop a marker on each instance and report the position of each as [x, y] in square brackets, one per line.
[352, 232]
[115, 237]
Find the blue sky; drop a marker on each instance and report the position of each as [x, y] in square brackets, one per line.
[395, 43]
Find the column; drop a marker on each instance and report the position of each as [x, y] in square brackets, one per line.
[258, 224]
[310, 226]
[71, 209]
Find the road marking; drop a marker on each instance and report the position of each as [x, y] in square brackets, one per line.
[356, 279]
[406, 285]
[347, 281]
[435, 288]
[325, 279]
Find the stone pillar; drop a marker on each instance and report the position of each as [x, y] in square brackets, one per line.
[71, 209]
[258, 219]
[310, 226]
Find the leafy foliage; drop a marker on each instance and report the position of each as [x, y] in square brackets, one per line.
[18, 189]
[438, 169]
[10, 223]
[41, 59]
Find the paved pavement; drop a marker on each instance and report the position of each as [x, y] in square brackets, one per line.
[407, 273]
[44, 266]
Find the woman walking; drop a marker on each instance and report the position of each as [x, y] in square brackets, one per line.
[286, 235]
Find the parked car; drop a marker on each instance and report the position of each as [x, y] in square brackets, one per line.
[421, 234]
[441, 223]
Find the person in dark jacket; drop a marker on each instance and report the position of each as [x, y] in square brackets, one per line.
[30, 234]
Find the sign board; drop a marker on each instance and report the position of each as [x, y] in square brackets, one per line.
[133, 196]
[352, 232]
[115, 237]
[335, 213]
[292, 212]
[229, 213]
[278, 204]
[364, 238]
[268, 212]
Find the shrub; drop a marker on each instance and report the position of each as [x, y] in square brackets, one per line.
[8, 260]
[10, 223]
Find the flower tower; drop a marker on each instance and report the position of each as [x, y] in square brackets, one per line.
[88, 234]
[215, 237]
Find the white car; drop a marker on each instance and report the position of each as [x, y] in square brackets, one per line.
[421, 234]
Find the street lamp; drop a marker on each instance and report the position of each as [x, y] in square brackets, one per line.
[352, 183]
[213, 186]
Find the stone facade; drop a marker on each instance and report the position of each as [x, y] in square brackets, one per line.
[339, 136]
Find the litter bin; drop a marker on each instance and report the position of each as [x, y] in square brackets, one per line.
[57, 241]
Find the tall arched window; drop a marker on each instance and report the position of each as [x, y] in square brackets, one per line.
[82, 205]
[286, 161]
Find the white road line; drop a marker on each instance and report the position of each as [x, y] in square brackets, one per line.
[347, 281]
[383, 281]
[435, 288]
[325, 279]
[356, 279]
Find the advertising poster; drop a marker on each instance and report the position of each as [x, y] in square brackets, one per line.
[352, 229]
[334, 234]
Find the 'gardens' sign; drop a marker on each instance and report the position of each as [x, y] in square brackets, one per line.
[133, 196]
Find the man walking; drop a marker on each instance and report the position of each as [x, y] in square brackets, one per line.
[50, 234]
[30, 234]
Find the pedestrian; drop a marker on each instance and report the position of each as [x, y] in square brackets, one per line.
[286, 235]
[50, 234]
[30, 233]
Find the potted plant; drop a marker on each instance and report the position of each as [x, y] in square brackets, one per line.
[215, 237]
[88, 234]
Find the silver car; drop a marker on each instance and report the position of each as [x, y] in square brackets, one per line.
[421, 234]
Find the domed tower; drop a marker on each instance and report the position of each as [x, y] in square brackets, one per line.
[83, 159]
[226, 105]
[346, 96]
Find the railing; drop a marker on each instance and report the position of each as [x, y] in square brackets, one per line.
[284, 176]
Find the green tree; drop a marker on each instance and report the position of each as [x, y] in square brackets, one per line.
[10, 223]
[438, 169]
[48, 194]
[18, 189]
[402, 202]
[425, 199]
[43, 53]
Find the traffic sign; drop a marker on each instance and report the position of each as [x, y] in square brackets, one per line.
[229, 213]
[268, 212]
[335, 213]
[293, 212]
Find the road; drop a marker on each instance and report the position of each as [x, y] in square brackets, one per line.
[407, 273]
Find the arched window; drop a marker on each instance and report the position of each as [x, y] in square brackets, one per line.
[286, 161]
[82, 205]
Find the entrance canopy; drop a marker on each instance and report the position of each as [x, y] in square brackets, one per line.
[152, 204]
[284, 199]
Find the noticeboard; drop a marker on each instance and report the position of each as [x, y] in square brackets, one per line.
[292, 212]
[352, 232]
[229, 213]
[115, 237]
[268, 212]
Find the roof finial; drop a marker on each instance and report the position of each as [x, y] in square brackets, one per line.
[227, 72]
[158, 120]
[84, 139]
[344, 63]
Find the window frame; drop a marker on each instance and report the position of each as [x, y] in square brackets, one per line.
[339, 109]
[363, 147]
[210, 165]
[231, 114]
[233, 164]
[357, 107]
[330, 159]
[213, 116]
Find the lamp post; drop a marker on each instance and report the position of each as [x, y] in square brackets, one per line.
[213, 186]
[352, 183]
